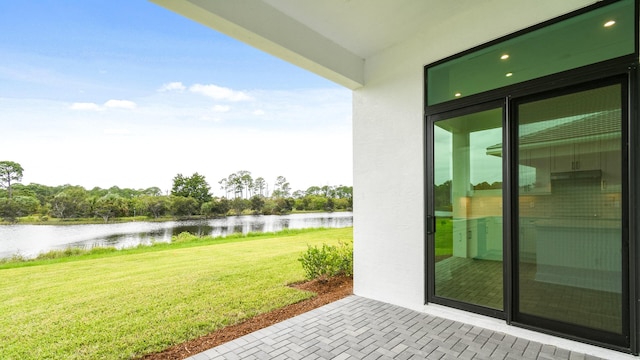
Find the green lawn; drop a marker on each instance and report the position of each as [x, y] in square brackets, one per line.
[123, 306]
[444, 237]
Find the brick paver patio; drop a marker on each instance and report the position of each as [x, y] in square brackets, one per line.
[360, 328]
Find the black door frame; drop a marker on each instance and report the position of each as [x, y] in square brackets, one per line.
[631, 136]
[600, 338]
[624, 68]
[431, 218]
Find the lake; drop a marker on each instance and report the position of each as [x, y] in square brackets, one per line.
[31, 240]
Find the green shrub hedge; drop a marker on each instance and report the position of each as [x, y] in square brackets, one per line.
[327, 260]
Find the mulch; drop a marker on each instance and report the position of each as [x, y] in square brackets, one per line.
[328, 291]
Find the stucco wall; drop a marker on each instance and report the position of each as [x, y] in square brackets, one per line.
[388, 138]
[388, 188]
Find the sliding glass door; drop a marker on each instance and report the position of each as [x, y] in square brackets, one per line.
[467, 188]
[526, 218]
[570, 197]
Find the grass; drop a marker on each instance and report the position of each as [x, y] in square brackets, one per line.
[75, 254]
[124, 304]
[444, 237]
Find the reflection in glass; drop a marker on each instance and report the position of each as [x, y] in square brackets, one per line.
[570, 225]
[468, 204]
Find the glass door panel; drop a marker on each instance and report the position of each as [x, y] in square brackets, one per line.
[569, 250]
[467, 188]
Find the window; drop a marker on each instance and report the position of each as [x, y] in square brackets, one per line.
[528, 187]
[592, 37]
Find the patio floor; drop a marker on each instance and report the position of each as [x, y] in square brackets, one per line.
[360, 328]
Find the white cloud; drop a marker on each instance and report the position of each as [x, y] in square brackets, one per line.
[290, 120]
[221, 108]
[219, 93]
[172, 86]
[110, 104]
[120, 104]
[85, 106]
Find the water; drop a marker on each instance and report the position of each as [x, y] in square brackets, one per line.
[439, 213]
[31, 240]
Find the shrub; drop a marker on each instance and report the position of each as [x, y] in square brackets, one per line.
[184, 236]
[102, 250]
[324, 262]
[57, 254]
[15, 258]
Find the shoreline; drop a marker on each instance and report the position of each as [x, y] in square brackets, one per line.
[32, 220]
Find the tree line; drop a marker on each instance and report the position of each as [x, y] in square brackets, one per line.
[189, 196]
[442, 193]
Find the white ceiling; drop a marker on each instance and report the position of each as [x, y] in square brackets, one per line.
[333, 38]
[366, 27]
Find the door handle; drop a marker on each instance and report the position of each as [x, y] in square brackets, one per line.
[431, 225]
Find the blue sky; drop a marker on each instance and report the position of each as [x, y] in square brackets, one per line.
[127, 93]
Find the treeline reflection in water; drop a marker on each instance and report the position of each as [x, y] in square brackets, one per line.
[31, 240]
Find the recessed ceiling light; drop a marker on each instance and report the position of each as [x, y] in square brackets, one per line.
[504, 56]
[610, 23]
[457, 94]
[508, 74]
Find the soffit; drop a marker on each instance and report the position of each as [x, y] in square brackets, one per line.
[333, 38]
[366, 27]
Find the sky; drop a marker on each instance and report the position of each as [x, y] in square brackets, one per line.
[126, 93]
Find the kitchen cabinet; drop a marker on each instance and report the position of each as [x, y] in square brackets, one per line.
[580, 253]
[576, 157]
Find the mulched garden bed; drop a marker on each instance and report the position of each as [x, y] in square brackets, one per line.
[334, 289]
